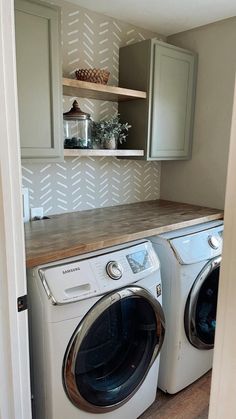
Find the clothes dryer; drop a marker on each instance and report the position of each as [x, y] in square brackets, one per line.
[190, 264]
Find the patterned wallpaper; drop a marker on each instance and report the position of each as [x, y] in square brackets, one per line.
[85, 183]
[92, 40]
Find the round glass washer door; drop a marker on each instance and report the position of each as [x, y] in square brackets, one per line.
[112, 349]
[201, 306]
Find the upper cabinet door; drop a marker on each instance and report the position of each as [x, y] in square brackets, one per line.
[39, 80]
[172, 103]
[162, 124]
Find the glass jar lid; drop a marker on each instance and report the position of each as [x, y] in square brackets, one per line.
[76, 113]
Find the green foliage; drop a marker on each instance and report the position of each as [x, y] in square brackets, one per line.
[106, 130]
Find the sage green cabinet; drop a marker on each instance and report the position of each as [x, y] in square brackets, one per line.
[162, 124]
[37, 28]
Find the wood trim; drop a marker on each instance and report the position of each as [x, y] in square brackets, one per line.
[102, 152]
[77, 88]
[222, 401]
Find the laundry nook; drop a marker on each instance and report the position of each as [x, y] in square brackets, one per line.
[117, 185]
[120, 313]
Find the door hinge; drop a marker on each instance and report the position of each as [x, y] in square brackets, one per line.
[22, 303]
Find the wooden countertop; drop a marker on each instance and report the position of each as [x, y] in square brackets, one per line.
[75, 233]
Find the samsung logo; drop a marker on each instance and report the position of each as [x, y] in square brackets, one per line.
[67, 271]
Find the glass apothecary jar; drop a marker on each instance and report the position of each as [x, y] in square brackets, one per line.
[77, 128]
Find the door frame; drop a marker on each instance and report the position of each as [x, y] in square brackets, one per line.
[15, 395]
[223, 388]
[14, 356]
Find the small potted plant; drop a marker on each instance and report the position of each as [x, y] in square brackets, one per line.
[109, 133]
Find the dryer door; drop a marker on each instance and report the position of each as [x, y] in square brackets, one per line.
[112, 349]
[200, 310]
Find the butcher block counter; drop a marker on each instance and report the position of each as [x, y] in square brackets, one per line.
[75, 233]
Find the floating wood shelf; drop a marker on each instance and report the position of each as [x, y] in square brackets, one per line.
[77, 88]
[101, 152]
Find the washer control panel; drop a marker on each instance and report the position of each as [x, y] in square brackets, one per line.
[99, 272]
[124, 266]
[114, 270]
[139, 261]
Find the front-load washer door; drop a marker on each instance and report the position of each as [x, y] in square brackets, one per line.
[200, 310]
[112, 349]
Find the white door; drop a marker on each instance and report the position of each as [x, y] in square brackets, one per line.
[223, 389]
[14, 352]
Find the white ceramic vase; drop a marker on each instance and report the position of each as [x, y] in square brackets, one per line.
[110, 144]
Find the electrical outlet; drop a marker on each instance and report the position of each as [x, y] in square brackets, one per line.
[36, 213]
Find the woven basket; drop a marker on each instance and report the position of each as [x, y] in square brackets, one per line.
[93, 75]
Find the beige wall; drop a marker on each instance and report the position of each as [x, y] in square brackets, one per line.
[202, 179]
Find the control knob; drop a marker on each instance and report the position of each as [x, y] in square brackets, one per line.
[213, 242]
[114, 270]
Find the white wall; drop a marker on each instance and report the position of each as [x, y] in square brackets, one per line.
[202, 179]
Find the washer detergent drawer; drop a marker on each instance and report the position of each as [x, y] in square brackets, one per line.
[67, 283]
[198, 247]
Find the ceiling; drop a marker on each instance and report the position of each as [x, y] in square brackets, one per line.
[163, 16]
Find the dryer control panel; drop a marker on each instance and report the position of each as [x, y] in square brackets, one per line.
[214, 241]
[99, 272]
[200, 246]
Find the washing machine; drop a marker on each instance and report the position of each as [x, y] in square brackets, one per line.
[96, 329]
[190, 264]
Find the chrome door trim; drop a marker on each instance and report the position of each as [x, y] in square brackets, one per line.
[68, 369]
[46, 287]
[191, 305]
